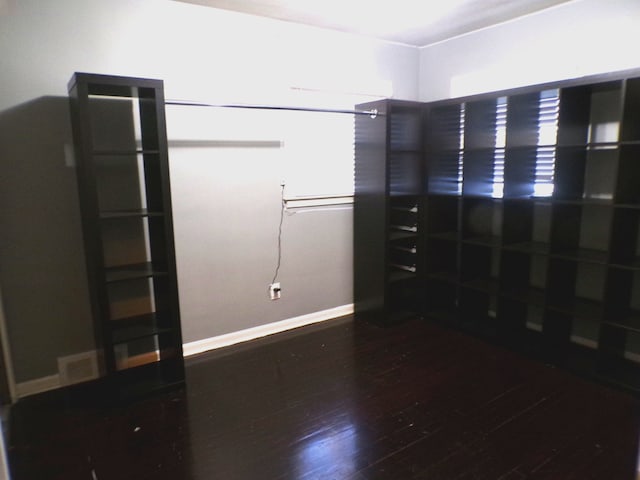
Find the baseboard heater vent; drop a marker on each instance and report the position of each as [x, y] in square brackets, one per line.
[78, 368]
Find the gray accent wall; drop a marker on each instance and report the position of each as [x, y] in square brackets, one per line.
[226, 213]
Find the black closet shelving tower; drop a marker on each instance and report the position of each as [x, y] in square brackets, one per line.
[528, 212]
[123, 177]
[388, 186]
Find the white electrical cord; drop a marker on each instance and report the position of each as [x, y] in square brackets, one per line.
[282, 208]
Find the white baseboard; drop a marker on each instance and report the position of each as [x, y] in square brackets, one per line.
[44, 384]
[207, 344]
[38, 385]
[634, 357]
[585, 342]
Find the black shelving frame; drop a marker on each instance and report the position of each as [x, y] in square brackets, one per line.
[388, 184]
[120, 144]
[527, 220]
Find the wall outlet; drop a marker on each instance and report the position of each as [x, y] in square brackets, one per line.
[274, 291]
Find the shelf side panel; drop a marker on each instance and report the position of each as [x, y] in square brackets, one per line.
[522, 120]
[630, 128]
[573, 119]
[369, 213]
[480, 124]
[520, 172]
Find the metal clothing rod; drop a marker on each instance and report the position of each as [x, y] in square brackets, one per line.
[372, 113]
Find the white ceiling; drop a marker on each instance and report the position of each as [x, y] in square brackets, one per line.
[413, 22]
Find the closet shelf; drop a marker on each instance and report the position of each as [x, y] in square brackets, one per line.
[405, 228]
[532, 248]
[400, 275]
[485, 241]
[578, 307]
[531, 295]
[486, 285]
[584, 202]
[445, 276]
[413, 209]
[133, 213]
[587, 255]
[132, 272]
[449, 236]
[137, 332]
[629, 323]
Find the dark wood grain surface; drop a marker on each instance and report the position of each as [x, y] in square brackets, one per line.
[340, 400]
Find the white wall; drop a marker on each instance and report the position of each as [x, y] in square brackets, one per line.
[200, 52]
[226, 212]
[575, 39]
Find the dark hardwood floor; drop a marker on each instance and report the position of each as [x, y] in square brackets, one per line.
[341, 400]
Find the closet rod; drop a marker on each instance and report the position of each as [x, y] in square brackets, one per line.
[372, 113]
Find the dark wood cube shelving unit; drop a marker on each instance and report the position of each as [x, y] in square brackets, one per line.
[526, 211]
[123, 178]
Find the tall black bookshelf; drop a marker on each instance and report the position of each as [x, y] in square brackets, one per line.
[123, 178]
[388, 186]
[528, 210]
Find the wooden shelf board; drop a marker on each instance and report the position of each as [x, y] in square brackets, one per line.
[137, 332]
[578, 307]
[406, 209]
[131, 272]
[143, 318]
[413, 229]
[485, 241]
[584, 202]
[449, 236]
[434, 195]
[400, 275]
[633, 264]
[627, 205]
[399, 235]
[448, 277]
[133, 213]
[393, 150]
[486, 285]
[151, 372]
[488, 198]
[402, 248]
[630, 322]
[589, 146]
[532, 295]
[582, 255]
[532, 248]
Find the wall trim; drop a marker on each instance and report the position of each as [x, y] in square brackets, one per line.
[52, 382]
[38, 385]
[634, 357]
[227, 339]
[7, 357]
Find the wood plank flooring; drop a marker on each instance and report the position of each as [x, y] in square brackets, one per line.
[341, 400]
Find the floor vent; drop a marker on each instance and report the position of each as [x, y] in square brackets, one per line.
[77, 368]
